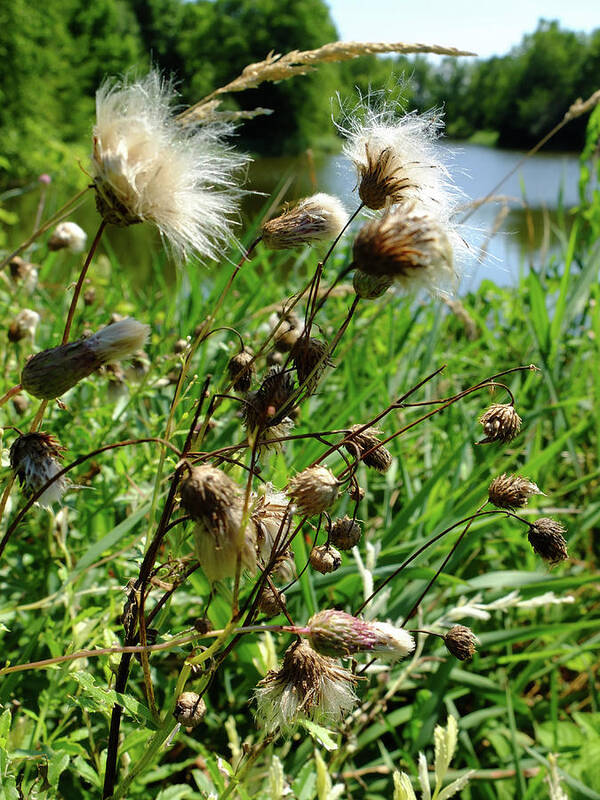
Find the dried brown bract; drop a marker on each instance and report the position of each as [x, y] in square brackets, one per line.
[190, 709]
[325, 558]
[501, 423]
[310, 357]
[460, 641]
[547, 539]
[312, 219]
[241, 370]
[271, 602]
[35, 458]
[313, 490]
[511, 491]
[363, 441]
[345, 533]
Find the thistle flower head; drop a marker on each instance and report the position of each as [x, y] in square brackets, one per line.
[362, 441]
[190, 709]
[511, 491]
[325, 558]
[310, 357]
[308, 686]
[345, 533]
[313, 490]
[68, 236]
[23, 326]
[147, 167]
[547, 539]
[410, 245]
[335, 633]
[501, 423]
[318, 217]
[53, 372]
[240, 368]
[35, 458]
[461, 641]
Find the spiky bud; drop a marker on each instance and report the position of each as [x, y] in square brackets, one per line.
[335, 633]
[53, 372]
[241, 370]
[23, 326]
[190, 709]
[379, 459]
[35, 458]
[310, 357]
[325, 558]
[511, 491]
[313, 490]
[312, 219]
[546, 537]
[461, 642]
[345, 533]
[68, 236]
[271, 602]
[370, 286]
[501, 423]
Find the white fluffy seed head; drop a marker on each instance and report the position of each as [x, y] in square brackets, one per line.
[35, 458]
[148, 167]
[315, 218]
[119, 340]
[68, 236]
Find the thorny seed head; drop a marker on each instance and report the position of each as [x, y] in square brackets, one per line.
[310, 354]
[345, 533]
[335, 633]
[511, 491]
[262, 407]
[307, 686]
[35, 458]
[370, 286]
[241, 370]
[461, 641]
[52, 372]
[380, 459]
[324, 558]
[190, 709]
[547, 539]
[501, 423]
[313, 490]
[356, 492]
[271, 603]
[312, 219]
[68, 236]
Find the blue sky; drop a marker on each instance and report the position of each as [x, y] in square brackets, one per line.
[486, 27]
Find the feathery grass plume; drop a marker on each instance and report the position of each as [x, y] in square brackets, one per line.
[546, 537]
[240, 369]
[190, 709]
[336, 633]
[501, 423]
[271, 602]
[380, 459]
[324, 558]
[313, 219]
[461, 641]
[68, 236]
[53, 372]
[412, 246]
[35, 458]
[313, 490]
[511, 491]
[213, 500]
[370, 286]
[307, 686]
[310, 354]
[345, 533]
[147, 167]
[23, 326]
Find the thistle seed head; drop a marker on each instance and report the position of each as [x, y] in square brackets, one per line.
[324, 558]
[313, 490]
[501, 423]
[370, 286]
[511, 491]
[241, 370]
[190, 709]
[356, 492]
[312, 219]
[262, 408]
[380, 459]
[547, 539]
[345, 533]
[310, 357]
[35, 458]
[68, 236]
[208, 495]
[23, 326]
[460, 641]
[271, 603]
[335, 633]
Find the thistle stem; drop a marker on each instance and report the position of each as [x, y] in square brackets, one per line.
[80, 281]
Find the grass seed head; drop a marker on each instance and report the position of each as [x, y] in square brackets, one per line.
[379, 459]
[190, 709]
[241, 370]
[313, 490]
[511, 491]
[461, 642]
[345, 533]
[35, 458]
[324, 558]
[501, 423]
[312, 219]
[547, 539]
[336, 633]
[68, 236]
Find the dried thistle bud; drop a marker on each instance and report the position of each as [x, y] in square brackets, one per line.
[379, 459]
[546, 537]
[312, 219]
[241, 370]
[511, 491]
[271, 602]
[263, 407]
[208, 494]
[307, 686]
[313, 490]
[190, 709]
[409, 245]
[285, 339]
[23, 326]
[501, 423]
[345, 533]
[461, 641]
[335, 633]
[35, 458]
[356, 492]
[20, 404]
[325, 558]
[310, 357]
[68, 236]
[370, 286]
[53, 372]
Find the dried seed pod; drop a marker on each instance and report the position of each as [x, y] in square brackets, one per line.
[356, 492]
[35, 458]
[271, 603]
[285, 339]
[511, 491]
[379, 459]
[501, 423]
[370, 286]
[266, 403]
[335, 633]
[241, 370]
[190, 709]
[312, 219]
[310, 360]
[325, 558]
[208, 495]
[461, 641]
[546, 537]
[313, 490]
[345, 533]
